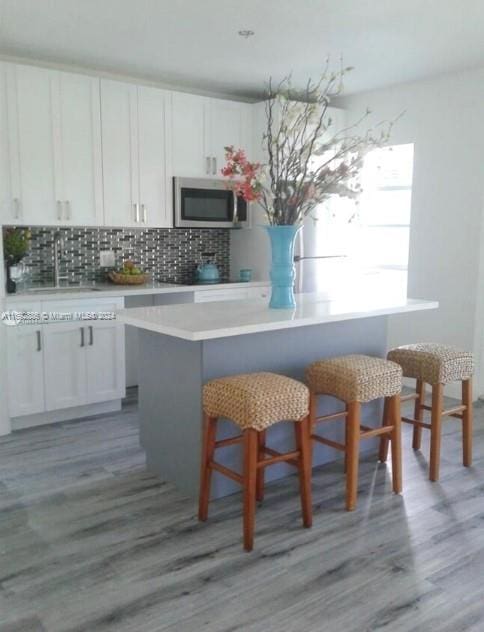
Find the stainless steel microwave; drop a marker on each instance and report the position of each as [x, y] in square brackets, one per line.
[207, 203]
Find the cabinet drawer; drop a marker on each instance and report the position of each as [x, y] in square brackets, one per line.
[207, 296]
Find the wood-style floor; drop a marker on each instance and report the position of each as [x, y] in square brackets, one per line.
[89, 541]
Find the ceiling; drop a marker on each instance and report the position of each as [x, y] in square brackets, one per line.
[194, 43]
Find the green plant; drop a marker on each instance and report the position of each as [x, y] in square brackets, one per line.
[16, 243]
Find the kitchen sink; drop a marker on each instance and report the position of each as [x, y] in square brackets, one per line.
[63, 290]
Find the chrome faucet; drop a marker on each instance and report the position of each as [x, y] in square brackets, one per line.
[58, 252]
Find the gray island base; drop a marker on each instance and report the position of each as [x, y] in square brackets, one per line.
[173, 372]
[181, 347]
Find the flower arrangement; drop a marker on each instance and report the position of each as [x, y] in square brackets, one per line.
[16, 243]
[307, 159]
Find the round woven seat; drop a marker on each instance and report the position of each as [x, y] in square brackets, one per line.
[256, 400]
[433, 363]
[355, 378]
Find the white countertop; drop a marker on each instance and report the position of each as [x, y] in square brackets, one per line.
[205, 321]
[108, 290]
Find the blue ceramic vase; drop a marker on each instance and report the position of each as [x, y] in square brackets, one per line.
[283, 271]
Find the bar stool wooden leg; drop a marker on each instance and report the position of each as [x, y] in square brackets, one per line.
[346, 439]
[418, 414]
[396, 420]
[303, 445]
[208, 449]
[383, 452]
[436, 430]
[250, 482]
[261, 442]
[352, 450]
[467, 422]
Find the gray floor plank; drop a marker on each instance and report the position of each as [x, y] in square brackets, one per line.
[89, 541]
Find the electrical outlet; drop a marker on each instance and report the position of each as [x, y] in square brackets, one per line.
[106, 258]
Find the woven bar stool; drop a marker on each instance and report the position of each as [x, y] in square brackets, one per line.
[355, 379]
[437, 365]
[254, 402]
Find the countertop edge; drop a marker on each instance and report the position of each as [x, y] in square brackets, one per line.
[123, 291]
[239, 330]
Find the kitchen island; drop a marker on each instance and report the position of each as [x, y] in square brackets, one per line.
[183, 346]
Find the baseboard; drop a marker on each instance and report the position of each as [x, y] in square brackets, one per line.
[65, 414]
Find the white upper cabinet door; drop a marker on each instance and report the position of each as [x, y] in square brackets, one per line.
[155, 203]
[119, 117]
[31, 96]
[25, 370]
[190, 155]
[7, 211]
[65, 365]
[80, 137]
[105, 357]
[225, 128]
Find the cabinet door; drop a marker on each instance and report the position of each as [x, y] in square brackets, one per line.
[225, 129]
[25, 370]
[31, 102]
[105, 357]
[190, 155]
[7, 211]
[119, 116]
[80, 136]
[65, 365]
[154, 207]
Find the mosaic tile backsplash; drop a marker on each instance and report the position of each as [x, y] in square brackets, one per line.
[170, 255]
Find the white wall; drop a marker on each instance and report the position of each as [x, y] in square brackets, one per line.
[444, 118]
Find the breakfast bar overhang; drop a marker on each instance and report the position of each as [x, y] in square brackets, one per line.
[181, 347]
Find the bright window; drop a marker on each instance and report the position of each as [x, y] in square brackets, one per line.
[383, 215]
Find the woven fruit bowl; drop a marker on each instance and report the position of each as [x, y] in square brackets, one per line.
[127, 279]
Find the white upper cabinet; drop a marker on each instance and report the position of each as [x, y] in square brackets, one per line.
[119, 113]
[54, 147]
[133, 121]
[154, 109]
[79, 150]
[80, 139]
[33, 156]
[227, 126]
[202, 128]
[189, 138]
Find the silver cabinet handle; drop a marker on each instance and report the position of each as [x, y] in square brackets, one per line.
[82, 336]
[39, 340]
[136, 212]
[214, 166]
[16, 208]
[67, 205]
[144, 213]
[207, 166]
[59, 210]
[91, 335]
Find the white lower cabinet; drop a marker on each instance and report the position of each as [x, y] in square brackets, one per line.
[105, 362]
[66, 364]
[25, 370]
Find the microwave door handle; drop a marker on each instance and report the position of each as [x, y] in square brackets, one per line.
[234, 214]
